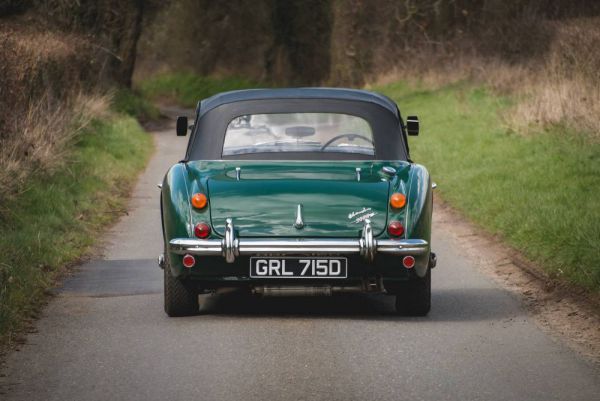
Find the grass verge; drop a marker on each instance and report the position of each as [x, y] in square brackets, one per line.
[56, 220]
[130, 102]
[539, 192]
[186, 88]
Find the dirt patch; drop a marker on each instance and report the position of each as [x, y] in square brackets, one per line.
[564, 311]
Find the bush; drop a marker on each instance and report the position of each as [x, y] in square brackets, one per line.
[187, 89]
[132, 103]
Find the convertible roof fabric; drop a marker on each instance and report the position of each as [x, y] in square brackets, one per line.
[215, 113]
[297, 93]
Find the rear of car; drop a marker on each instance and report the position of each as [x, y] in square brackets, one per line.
[292, 201]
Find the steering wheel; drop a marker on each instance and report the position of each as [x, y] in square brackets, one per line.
[351, 137]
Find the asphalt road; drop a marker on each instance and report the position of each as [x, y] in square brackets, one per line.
[106, 337]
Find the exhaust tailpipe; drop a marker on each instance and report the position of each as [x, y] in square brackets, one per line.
[374, 285]
[292, 291]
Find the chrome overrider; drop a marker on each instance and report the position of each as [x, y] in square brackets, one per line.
[230, 247]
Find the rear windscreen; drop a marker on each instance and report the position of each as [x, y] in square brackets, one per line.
[298, 132]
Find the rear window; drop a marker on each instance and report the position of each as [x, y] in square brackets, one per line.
[298, 132]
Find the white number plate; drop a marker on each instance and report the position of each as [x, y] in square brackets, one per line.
[298, 267]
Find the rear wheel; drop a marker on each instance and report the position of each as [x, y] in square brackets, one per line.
[413, 298]
[180, 300]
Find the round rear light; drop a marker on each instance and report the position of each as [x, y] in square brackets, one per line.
[188, 261]
[397, 200]
[408, 262]
[395, 229]
[199, 201]
[202, 230]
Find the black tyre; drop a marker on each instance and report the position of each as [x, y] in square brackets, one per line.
[413, 298]
[180, 300]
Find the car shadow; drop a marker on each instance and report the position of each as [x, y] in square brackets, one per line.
[456, 304]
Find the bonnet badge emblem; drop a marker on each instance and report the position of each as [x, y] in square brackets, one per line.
[299, 223]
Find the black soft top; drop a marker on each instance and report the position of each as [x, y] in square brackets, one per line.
[216, 112]
[297, 93]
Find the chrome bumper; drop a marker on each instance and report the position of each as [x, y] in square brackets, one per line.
[230, 247]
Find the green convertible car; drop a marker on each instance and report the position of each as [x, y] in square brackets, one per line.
[297, 192]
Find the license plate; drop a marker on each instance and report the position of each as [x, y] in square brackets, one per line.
[298, 267]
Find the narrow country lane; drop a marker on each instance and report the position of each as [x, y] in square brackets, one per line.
[105, 335]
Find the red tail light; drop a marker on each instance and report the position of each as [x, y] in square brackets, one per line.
[188, 261]
[408, 262]
[202, 230]
[395, 228]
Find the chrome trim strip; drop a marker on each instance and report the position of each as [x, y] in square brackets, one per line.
[389, 170]
[190, 227]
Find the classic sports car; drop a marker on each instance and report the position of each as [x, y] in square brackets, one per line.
[297, 192]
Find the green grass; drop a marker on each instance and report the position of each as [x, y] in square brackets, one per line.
[187, 89]
[130, 102]
[540, 192]
[59, 217]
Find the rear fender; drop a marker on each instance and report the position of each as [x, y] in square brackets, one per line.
[176, 211]
[418, 212]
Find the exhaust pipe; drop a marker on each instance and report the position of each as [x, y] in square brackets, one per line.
[292, 291]
[374, 285]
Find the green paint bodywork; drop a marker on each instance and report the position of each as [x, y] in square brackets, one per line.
[265, 200]
[263, 203]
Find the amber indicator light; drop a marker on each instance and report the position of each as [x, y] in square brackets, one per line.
[199, 201]
[397, 200]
